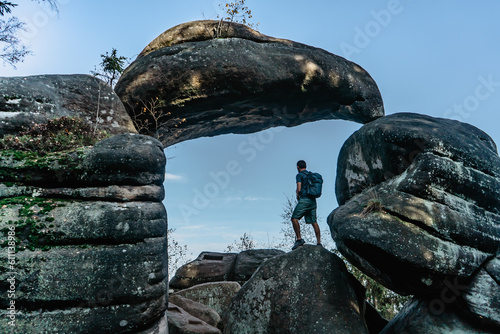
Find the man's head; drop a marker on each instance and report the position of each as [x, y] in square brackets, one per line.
[301, 164]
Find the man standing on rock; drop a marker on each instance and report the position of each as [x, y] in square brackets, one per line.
[306, 207]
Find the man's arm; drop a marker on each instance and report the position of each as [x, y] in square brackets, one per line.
[299, 187]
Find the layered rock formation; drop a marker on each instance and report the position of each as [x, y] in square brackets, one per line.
[420, 210]
[25, 101]
[203, 79]
[85, 234]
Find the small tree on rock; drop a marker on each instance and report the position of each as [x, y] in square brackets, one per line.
[111, 67]
[237, 12]
[246, 243]
[177, 253]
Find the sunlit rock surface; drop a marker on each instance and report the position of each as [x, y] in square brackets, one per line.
[203, 80]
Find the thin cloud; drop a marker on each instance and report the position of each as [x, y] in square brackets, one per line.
[252, 198]
[233, 199]
[174, 177]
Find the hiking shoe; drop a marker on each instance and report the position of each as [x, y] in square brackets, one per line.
[298, 243]
[320, 245]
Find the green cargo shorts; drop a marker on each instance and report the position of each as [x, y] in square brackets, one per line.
[306, 207]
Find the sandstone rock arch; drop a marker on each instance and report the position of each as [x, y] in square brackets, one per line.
[241, 82]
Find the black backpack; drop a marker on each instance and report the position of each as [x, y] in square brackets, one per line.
[313, 184]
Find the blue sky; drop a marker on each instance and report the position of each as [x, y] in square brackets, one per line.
[435, 58]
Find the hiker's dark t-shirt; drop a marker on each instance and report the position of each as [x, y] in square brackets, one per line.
[301, 177]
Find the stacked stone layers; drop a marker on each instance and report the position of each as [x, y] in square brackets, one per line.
[90, 238]
[420, 211]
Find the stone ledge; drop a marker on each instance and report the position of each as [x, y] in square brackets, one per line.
[73, 276]
[149, 193]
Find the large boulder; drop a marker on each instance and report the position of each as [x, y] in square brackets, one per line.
[386, 148]
[84, 259]
[206, 78]
[306, 291]
[422, 316]
[25, 101]
[420, 201]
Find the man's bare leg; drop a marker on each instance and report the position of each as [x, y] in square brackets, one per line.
[317, 232]
[296, 228]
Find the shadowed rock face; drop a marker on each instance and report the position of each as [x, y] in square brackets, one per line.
[423, 317]
[242, 83]
[420, 208]
[36, 99]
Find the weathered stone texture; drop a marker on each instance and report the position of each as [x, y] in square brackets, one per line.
[123, 160]
[207, 267]
[420, 213]
[25, 101]
[197, 310]
[306, 291]
[90, 235]
[423, 317]
[419, 201]
[181, 322]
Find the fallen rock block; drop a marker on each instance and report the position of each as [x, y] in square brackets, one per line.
[215, 295]
[181, 322]
[207, 267]
[197, 310]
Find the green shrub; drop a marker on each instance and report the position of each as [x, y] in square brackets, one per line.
[58, 134]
